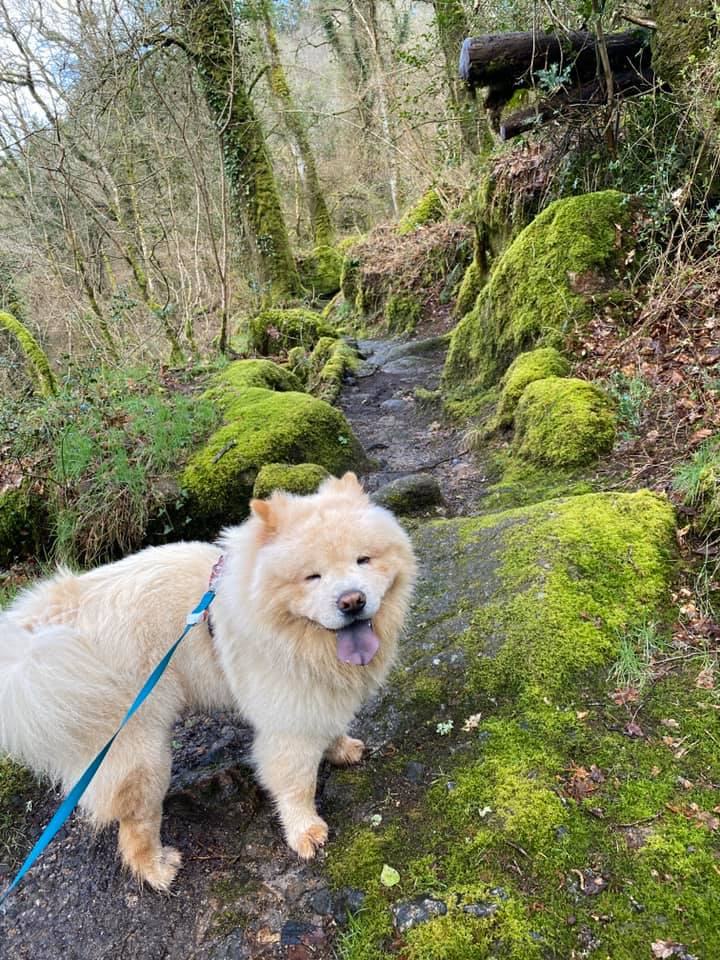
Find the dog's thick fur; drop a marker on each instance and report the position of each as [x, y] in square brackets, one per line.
[75, 649]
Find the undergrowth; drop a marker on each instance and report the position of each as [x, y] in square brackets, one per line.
[103, 454]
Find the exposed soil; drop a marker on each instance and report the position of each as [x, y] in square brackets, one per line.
[241, 892]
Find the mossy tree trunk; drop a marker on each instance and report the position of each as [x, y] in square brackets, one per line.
[320, 220]
[37, 360]
[452, 28]
[211, 40]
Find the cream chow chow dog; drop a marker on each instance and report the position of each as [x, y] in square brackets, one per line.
[309, 604]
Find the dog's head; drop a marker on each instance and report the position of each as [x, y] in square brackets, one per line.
[334, 559]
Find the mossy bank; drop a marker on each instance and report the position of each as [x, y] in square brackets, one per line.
[516, 793]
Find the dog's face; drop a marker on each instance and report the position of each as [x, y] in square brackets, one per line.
[332, 559]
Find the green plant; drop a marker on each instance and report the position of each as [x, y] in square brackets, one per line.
[630, 395]
[106, 450]
[636, 649]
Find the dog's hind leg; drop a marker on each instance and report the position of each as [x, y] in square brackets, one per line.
[137, 805]
[287, 766]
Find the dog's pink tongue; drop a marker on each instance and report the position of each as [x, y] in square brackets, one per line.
[357, 643]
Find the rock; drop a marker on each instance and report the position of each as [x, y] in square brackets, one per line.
[412, 494]
[415, 772]
[348, 902]
[321, 902]
[543, 283]
[274, 331]
[394, 405]
[410, 913]
[525, 369]
[563, 423]
[320, 271]
[250, 373]
[480, 909]
[264, 427]
[300, 478]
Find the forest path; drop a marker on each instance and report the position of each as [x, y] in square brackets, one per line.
[241, 893]
[404, 435]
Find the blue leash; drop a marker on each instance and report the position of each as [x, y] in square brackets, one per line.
[72, 799]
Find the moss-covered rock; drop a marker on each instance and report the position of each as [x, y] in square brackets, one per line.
[681, 38]
[320, 271]
[21, 516]
[428, 209]
[264, 427]
[541, 286]
[403, 312]
[301, 478]
[523, 825]
[277, 331]
[563, 423]
[525, 369]
[329, 363]
[252, 373]
[470, 287]
[415, 493]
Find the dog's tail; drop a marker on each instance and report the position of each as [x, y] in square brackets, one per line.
[53, 691]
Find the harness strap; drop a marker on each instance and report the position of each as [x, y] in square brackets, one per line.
[72, 799]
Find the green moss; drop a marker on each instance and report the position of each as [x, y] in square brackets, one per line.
[350, 276]
[472, 283]
[523, 483]
[321, 271]
[34, 354]
[264, 427]
[541, 286]
[682, 36]
[251, 373]
[21, 514]
[575, 572]
[329, 363]
[276, 331]
[428, 209]
[15, 785]
[403, 312]
[299, 478]
[526, 368]
[563, 423]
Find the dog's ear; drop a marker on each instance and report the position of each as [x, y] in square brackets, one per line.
[269, 512]
[347, 483]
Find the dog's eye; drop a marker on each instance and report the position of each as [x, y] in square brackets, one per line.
[363, 559]
[313, 576]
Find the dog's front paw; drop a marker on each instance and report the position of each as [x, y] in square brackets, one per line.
[160, 872]
[345, 751]
[307, 842]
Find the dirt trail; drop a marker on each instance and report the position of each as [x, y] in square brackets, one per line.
[240, 893]
[402, 434]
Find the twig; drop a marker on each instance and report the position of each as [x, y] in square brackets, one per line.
[640, 21]
[221, 453]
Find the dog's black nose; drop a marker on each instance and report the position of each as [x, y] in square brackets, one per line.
[352, 601]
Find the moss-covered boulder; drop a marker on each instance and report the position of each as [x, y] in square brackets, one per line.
[524, 815]
[428, 209]
[563, 423]
[525, 369]
[541, 286]
[329, 363]
[252, 373]
[263, 427]
[320, 271]
[276, 331]
[403, 312]
[470, 287]
[21, 518]
[301, 478]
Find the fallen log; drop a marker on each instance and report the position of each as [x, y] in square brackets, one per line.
[509, 61]
[560, 104]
